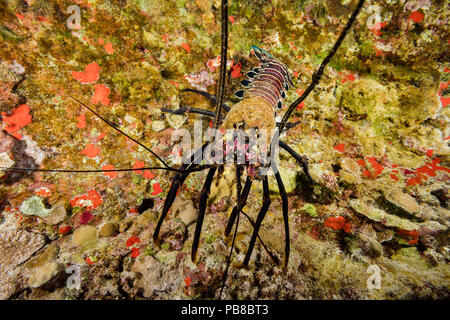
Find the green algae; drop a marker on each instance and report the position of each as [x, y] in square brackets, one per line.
[410, 256]
[310, 209]
[210, 239]
[135, 83]
[289, 177]
[8, 35]
[34, 206]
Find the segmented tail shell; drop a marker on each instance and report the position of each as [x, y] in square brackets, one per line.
[269, 81]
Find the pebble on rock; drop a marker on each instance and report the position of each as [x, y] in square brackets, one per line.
[44, 274]
[108, 229]
[185, 211]
[350, 171]
[85, 236]
[57, 215]
[404, 202]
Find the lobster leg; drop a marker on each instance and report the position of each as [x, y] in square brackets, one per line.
[238, 186]
[202, 209]
[302, 160]
[271, 255]
[183, 110]
[208, 96]
[204, 112]
[259, 219]
[243, 201]
[177, 182]
[290, 125]
[285, 207]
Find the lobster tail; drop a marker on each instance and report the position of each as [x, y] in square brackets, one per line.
[268, 81]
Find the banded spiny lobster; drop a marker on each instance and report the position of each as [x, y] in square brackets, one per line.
[263, 90]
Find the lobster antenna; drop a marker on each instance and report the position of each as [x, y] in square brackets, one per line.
[120, 131]
[271, 255]
[200, 168]
[229, 257]
[238, 204]
[223, 67]
[318, 74]
[223, 62]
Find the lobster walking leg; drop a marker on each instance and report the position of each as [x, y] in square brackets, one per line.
[285, 207]
[185, 109]
[208, 96]
[202, 209]
[243, 201]
[271, 255]
[177, 182]
[300, 159]
[239, 170]
[259, 219]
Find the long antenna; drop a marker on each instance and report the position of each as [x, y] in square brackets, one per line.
[120, 131]
[200, 168]
[223, 69]
[319, 72]
[238, 202]
[223, 62]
